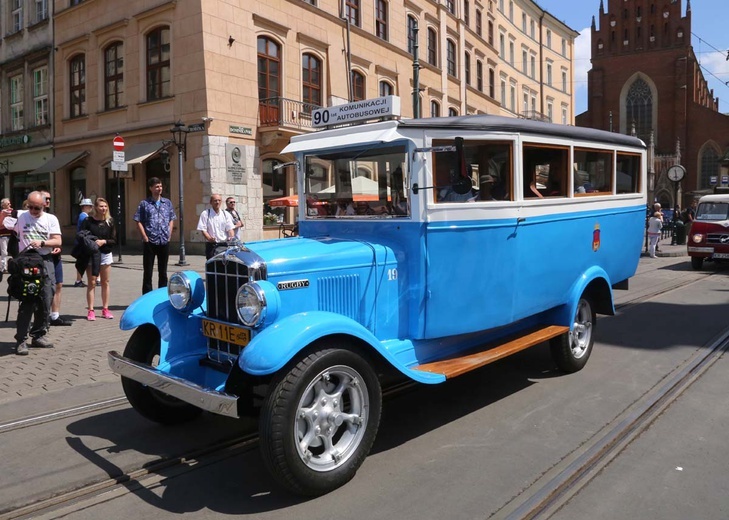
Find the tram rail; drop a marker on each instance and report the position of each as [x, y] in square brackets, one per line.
[542, 499]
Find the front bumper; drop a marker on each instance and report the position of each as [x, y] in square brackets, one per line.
[210, 400]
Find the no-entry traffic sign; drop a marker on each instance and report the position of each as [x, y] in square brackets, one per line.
[118, 143]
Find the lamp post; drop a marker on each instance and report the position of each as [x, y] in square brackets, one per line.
[179, 136]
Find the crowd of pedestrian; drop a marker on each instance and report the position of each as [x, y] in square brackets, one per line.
[34, 233]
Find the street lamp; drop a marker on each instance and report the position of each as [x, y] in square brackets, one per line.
[179, 136]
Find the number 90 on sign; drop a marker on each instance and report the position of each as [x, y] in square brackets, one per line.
[320, 117]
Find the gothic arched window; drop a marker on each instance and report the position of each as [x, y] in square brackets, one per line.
[709, 167]
[639, 109]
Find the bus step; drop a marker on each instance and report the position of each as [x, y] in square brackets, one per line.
[453, 367]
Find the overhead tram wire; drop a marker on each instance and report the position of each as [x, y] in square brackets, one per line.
[724, 53]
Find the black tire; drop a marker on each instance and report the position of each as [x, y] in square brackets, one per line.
[697, 263]
[572, 349]
[144, 347]
[303, 404]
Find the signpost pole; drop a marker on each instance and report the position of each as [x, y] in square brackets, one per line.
[117, 175]
[117, 165]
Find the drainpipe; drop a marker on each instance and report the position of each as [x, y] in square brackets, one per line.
[541, 65]
[349, 52]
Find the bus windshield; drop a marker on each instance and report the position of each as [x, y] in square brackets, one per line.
[369, 182]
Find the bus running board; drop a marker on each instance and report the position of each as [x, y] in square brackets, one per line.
[453, 367]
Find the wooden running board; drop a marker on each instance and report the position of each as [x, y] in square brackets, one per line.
[453, 367]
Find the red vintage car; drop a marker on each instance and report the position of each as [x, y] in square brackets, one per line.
[709, 233]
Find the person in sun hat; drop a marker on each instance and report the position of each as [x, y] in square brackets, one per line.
[485, 186]
[86, 207]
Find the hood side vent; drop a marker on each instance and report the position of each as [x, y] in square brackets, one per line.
[340, 294]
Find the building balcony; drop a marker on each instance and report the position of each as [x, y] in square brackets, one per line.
[285, 115]
[535, 116]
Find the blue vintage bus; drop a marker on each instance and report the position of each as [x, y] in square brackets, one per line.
[427, 248]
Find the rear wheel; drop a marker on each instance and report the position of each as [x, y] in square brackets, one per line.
[320, 420]
[572, 349]
[144, 347]
[697, 263]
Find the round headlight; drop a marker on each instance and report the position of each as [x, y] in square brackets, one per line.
[697, 238]
[251, 304]
[179, 291]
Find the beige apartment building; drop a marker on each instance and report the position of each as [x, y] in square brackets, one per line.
[245, 76]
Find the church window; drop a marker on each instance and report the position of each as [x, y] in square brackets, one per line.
[639, 108]
[709, 167]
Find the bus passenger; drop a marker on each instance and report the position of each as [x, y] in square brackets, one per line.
[344, 208]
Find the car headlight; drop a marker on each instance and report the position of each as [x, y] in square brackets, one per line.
[179, 291]
[251, 304]
[697, 238]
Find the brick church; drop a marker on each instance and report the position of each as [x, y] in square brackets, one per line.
[646, 79]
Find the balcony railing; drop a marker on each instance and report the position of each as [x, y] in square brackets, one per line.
[534, 115]
[278, 111]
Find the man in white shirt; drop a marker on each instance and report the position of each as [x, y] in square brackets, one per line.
[40, 231]
[215, 224]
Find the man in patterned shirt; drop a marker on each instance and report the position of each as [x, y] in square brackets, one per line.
[154, 217]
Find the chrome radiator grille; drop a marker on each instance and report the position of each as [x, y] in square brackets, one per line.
[718, 238]
[224, 274]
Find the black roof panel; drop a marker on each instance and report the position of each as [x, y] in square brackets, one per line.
[491, 123]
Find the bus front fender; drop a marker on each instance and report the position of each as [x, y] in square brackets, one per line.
[151, 308]
[276, 345]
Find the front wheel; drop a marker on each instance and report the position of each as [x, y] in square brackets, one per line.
[144, 347]
[572, 349]
[320, 420]
[697, 263]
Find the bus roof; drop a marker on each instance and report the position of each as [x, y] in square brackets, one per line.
[384, 132]
[491, 123]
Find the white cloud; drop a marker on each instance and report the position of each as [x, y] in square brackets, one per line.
[715, 68]
[583, 53]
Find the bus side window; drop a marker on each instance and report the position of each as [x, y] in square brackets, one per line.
[545, 171]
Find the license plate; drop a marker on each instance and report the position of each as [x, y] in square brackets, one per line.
[227, 333]
[720, 255]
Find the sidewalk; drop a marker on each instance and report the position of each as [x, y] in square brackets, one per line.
[79, 356]
[76, 370]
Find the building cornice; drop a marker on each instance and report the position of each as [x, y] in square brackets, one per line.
[265, 23]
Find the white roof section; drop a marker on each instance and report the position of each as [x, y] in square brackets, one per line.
[719, 197]
[347, 136]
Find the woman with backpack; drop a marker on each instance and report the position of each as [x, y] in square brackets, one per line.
[100, 224]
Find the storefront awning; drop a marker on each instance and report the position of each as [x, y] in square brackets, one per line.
[60, 161]
[138, 153]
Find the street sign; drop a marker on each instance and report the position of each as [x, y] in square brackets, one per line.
[119, 166]
[118, 143]
[118, 156]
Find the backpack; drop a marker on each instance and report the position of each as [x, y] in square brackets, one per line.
[27, 271]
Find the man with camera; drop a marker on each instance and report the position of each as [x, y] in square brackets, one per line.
[39, 231]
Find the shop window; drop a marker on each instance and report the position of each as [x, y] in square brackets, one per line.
[78, 191]
[279, 194]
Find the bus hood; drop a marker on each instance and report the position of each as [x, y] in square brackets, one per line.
[321, 255]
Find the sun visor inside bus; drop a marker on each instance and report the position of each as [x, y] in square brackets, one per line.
[350, 136]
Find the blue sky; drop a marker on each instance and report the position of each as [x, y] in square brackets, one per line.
[709, 33]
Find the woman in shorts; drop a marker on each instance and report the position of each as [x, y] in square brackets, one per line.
[100, 224]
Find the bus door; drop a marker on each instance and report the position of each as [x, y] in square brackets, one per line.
[471, 242]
